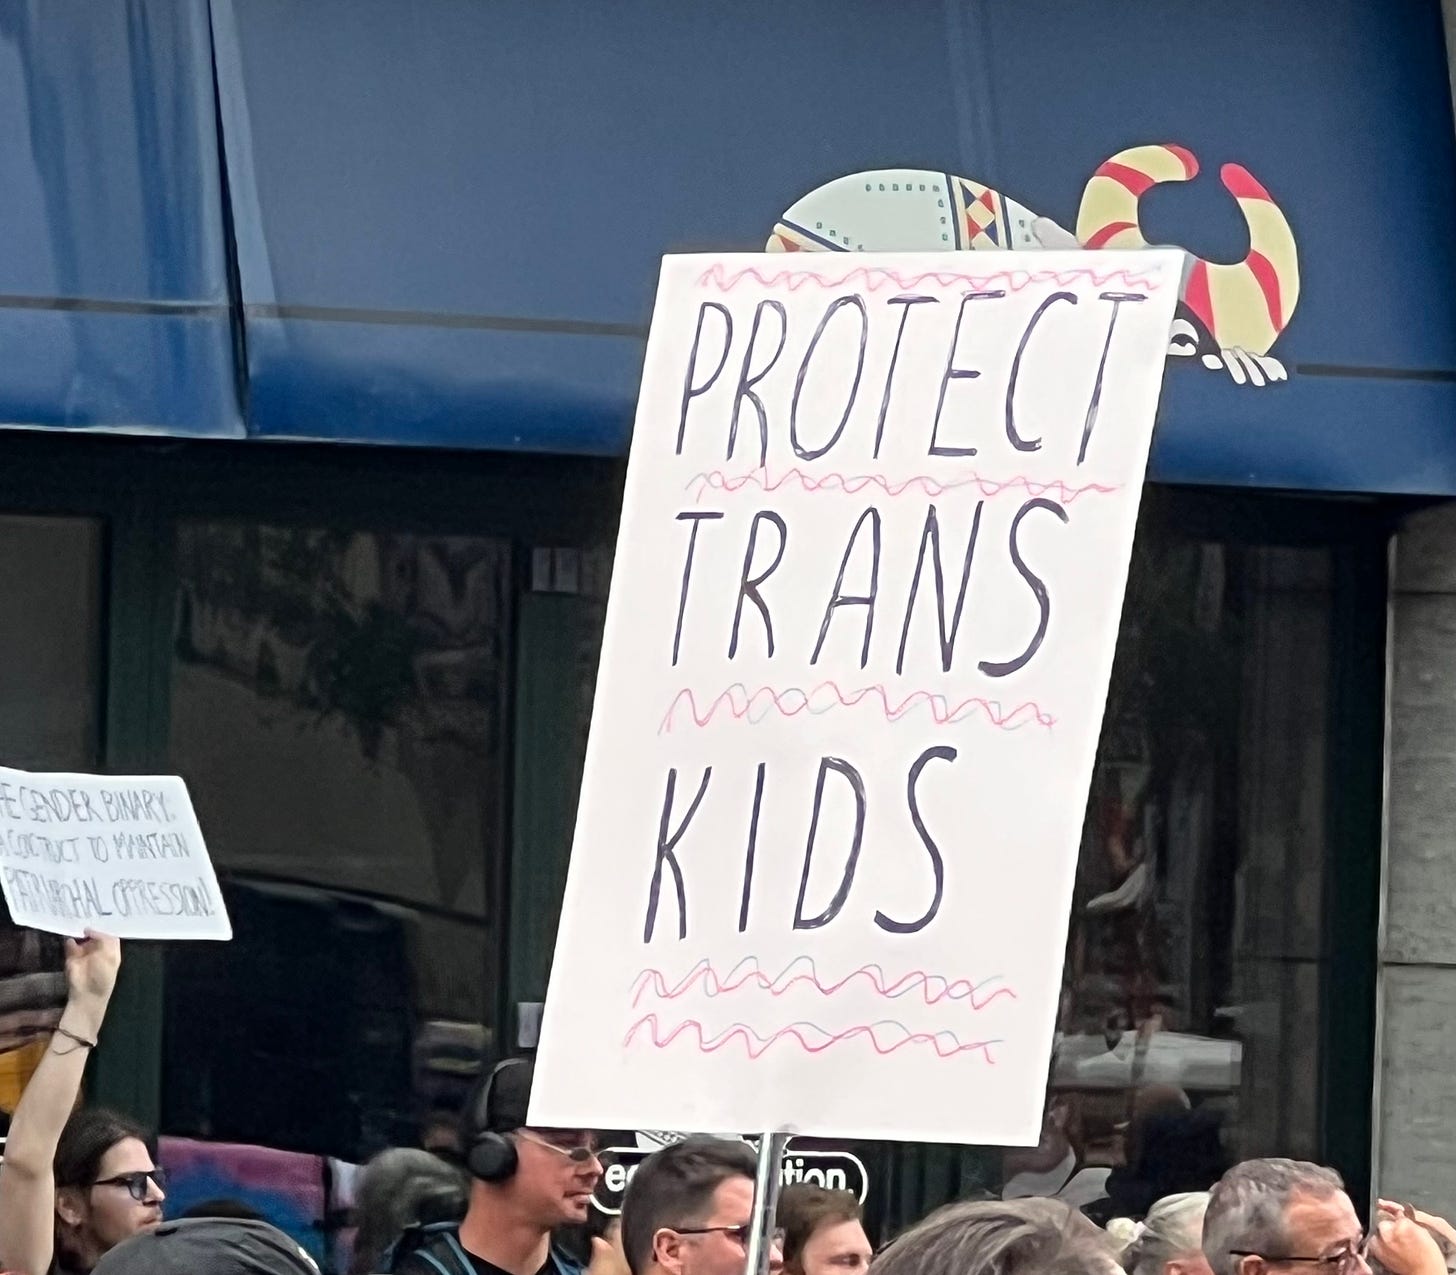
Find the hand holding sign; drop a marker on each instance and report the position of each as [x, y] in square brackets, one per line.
[118, 854]
[92, 964]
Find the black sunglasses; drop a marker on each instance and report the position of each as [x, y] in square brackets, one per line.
[740, 1233]
[138, 1185]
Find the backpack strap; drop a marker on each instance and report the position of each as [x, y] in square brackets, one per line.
[434, 1244]
[452, 1242]
[440, 1266]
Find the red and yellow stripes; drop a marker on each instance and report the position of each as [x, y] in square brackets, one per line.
[1245, 305]
[1108, 217]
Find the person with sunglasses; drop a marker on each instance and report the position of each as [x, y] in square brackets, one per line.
[526, 1184]
[74, 1184]
[689, 1210]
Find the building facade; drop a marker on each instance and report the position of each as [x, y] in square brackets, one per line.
[323, 328]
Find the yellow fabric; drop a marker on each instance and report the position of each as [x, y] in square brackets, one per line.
[16, 1068]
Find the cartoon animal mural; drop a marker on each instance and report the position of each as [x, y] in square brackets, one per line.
[1229, 315]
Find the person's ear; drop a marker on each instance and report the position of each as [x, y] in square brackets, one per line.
[1251, 1265]
[70, 1207]
[668, 1251]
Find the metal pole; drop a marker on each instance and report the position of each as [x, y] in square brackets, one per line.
[766, 1199]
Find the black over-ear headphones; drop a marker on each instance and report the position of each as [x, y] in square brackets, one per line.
[490, 1156]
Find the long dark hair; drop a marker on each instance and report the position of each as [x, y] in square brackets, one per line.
[89, 1134]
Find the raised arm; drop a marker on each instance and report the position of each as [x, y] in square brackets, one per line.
[27, 1176]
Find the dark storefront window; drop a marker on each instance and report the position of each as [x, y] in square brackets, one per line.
[50, 719]
[50, 644]
[1195, 946]
[339, 711]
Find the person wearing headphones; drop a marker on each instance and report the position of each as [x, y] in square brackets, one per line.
[526, 1183]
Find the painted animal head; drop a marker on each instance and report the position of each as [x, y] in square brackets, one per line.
[1229, 316]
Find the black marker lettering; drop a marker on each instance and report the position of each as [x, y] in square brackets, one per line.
[930, 535]
[747, 379]
[907, 302]
[954, 373]
[856, 784]
[937, 864]
[690, 390]
[748, 587]
[1038, 589]
[867, 600]
[666, 854]
[835, 306]
[697, 518]
[752, 850]
[1117, 299]
[1015, 439]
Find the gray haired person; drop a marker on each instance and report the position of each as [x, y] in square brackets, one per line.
[1169, 1241]
[399, 1189]
[1001, 1237]
[1282, 1217]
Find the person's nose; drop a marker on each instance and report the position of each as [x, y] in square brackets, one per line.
[155, 1194]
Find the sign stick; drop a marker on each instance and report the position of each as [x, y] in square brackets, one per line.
[771, 1147]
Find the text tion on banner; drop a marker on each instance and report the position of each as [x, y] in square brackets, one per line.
[119, 855]
[874, 542]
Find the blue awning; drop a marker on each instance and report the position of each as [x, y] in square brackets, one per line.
[114, 305]
[449, 216]
[440, 224]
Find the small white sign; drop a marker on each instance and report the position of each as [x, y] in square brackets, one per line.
[120, 855]
[871, 563]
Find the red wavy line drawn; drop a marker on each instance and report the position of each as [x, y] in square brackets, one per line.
[934, 988]
[754, 706]
[852, 484]
[873, 278]
[945, 1044]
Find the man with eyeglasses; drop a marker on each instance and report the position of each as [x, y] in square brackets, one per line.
[526, 1183]
[1282, 1217]
[689, 1210]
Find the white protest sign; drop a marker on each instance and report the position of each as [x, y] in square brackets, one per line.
[120, 855]
[869, 574]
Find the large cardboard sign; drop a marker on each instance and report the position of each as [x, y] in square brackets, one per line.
[119, 855]
[868, 582]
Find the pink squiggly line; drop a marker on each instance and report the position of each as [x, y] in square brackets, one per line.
[873, 278]
[934, 988]
[852, 484]
[754, 706]
[945, 1044]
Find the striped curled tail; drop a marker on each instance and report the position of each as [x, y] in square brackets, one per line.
[1244, 305]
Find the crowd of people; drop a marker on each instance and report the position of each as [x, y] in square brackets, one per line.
[80, 1194]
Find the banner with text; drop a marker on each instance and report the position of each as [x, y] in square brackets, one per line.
[871, 563]
[119, 855]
